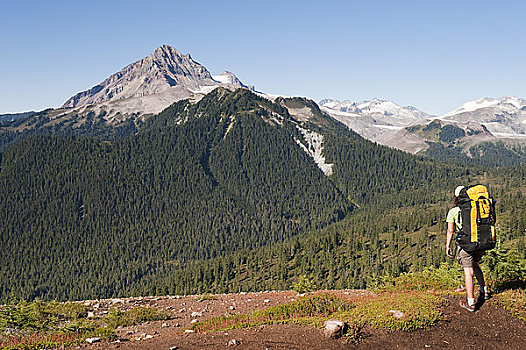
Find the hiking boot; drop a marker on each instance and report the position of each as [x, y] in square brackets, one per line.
[464, 304]
[483, 296]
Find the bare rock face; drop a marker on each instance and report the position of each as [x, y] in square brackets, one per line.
[147, 87]
[334, 328]
[163, 69]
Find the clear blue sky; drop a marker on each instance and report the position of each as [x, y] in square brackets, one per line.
[434, 55]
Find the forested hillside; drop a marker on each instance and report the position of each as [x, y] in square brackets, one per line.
[83, 217]
[213, 196]
[360, 251]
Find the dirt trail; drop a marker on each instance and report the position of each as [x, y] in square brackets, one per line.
[489, 328]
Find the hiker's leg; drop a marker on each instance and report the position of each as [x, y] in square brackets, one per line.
[478, 274]
[468, 275]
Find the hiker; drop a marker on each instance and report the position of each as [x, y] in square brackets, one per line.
[468, 260]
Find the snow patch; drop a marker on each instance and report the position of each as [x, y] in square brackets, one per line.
[504, 135]
[487, 102]
[278, 119]
[388, 127]
[230, 126]
[314, 149]
[222, 78]
[339, 112]
[204, 89]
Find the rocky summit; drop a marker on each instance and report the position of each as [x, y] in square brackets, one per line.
[151, 84]
[164, 68]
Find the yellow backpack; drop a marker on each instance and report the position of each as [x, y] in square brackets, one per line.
[477, 210]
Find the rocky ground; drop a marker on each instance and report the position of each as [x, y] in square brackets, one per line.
[489, 328]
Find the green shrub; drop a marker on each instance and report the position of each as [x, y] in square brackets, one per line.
[504, 269]
[419, 309]
[444, 278]
[115, 317]
[304, 285]
[38, 315]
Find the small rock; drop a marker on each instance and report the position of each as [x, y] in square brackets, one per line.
[91, 314]
[233, 342]
[96, 306]
[173, 348]
[232, 307]
[178, 325]
[164, 325]
[189, 331]
[182, 310]
[196, 314]
[397, 314]
[334, 328]
[195, 320]
[92, 340]
[266, 301]
[129, 332]
[148, 336]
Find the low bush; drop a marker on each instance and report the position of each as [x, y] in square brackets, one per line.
[514, 301]
[447, 277]
[49, 325]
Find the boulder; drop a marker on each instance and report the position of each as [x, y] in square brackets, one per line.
[233, 342]
[334, 328]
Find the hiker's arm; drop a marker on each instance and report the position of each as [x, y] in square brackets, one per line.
[450, 229]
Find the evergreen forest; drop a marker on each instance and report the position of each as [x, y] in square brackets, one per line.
[219, 196]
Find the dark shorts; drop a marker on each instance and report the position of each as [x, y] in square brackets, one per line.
[468, 259]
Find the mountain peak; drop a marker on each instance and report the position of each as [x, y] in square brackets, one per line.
[506, 103]
[164, 68]
[167, 51]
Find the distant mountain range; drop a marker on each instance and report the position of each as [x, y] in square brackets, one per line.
[119, 104]
[411, 130]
